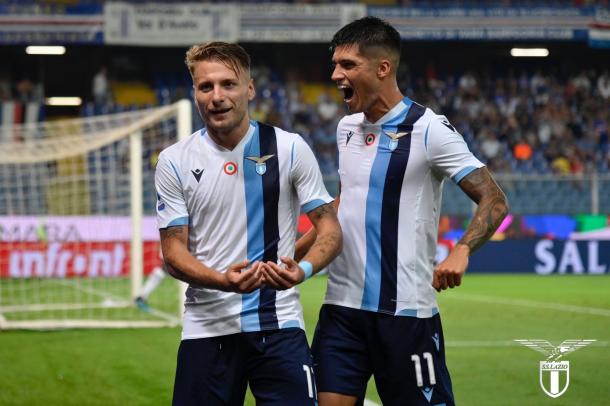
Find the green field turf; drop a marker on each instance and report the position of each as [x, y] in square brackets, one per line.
[481, 319]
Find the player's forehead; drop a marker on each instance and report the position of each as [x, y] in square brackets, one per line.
[217, 70]
[347, 52]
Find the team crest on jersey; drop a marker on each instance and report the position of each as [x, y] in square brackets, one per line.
[230, 168]
[261, 166]
[370, 139]
[394, 138]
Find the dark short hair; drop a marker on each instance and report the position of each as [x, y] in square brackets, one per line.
[232, 55]
[368, 32]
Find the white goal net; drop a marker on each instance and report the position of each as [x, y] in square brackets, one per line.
[77, 224]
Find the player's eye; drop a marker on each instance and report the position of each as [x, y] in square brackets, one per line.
[205, 87]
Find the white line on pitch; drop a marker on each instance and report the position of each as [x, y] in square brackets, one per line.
[370, 403]
[532, 303]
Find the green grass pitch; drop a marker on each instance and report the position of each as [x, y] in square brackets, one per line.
[481, 319]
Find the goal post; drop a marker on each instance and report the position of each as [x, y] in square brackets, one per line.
[77, 220]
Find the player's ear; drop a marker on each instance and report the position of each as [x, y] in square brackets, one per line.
[251, 90]
[384, 68]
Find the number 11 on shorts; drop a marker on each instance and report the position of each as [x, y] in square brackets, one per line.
[418, 375]
[311, 385]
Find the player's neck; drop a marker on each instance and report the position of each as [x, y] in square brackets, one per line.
[386, 100]
[230, 138]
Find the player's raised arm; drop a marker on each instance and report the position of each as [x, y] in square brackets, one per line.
[492, 207]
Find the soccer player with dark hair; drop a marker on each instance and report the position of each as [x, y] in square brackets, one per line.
[380, 316]
[229, 199]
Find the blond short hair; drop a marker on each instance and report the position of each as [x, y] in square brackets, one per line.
[232, 55]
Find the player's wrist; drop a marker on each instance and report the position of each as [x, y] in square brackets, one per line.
[307, 268]
[462, 247]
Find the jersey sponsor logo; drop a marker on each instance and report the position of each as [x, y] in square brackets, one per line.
[261, 166]
[555, 374]
[349, 137]
[370, 139]
[394, 139]
[197, 173]
[230, 168]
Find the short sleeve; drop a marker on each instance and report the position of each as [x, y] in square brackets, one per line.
[307, 178]
[447, 151]
[171, 207]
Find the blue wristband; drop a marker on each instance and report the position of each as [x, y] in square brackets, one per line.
[307, 268]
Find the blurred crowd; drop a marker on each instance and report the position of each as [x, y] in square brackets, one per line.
[521, 122]
[417, 3]
[517, 122]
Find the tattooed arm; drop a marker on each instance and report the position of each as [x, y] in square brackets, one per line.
[491, 210]
[182, 265]
[304, 243]
[326, 245]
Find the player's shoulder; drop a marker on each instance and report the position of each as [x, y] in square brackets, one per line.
[436, 122]
[177, 150]
[288, 141]
[286, 136]
[351, 121]
[349, 125]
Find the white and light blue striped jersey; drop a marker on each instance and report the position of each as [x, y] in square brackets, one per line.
[239, 204]
[391, 176]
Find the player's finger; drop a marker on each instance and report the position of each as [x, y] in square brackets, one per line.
[239, 265]
[289, 261]
[251, 284]
[435, 281]
[451, 280]
[275, 273]
[273, 280]
[442, 281]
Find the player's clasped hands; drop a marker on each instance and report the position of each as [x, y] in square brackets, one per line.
[242, 280]
[284, 276]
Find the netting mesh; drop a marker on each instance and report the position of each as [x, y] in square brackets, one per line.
[65, 222]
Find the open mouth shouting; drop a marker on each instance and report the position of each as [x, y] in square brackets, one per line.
[348, 92]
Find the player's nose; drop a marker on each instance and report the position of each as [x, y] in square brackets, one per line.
[218, 94]
[337, 74]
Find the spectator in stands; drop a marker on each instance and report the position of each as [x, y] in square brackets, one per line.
[603, 85]
[100, 87]
[522, 151]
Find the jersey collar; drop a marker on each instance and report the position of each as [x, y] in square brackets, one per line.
[393, 113]
[208, 141]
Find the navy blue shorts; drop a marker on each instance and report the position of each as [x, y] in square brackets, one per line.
[406, 355]
[215, 371]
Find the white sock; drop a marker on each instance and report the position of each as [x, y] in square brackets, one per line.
[155, 278]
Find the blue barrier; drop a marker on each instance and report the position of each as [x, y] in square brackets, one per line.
[543, 257]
